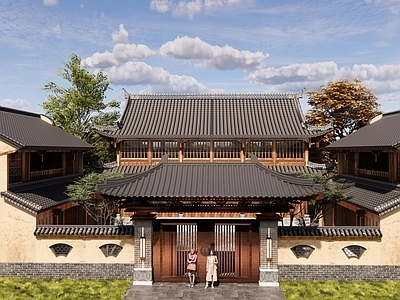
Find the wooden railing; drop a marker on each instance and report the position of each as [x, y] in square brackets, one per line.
[37, 175]
[377, 175]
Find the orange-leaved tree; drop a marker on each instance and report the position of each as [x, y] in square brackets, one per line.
[346, 104]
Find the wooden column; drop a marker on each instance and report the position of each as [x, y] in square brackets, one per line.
[274, 154]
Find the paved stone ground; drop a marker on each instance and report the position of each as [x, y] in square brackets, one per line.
[168, 291]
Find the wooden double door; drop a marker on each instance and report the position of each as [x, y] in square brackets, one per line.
[236, 245]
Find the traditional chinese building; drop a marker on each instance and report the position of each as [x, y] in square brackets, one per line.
[369, 157]
[214, 184]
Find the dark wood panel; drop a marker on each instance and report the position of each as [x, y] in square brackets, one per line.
[246, 256]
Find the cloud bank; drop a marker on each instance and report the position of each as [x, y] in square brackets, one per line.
[124, 66]
[208, 56]
[385, 78]
[158, 79]
[184, 8]
[16, 104]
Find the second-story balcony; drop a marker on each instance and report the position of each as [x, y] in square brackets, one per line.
[377, 175]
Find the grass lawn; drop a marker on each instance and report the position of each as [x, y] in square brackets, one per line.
[318, 290]
[71, 289]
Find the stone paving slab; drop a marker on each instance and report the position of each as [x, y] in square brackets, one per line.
[170, 291]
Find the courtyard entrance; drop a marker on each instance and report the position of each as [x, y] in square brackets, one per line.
[236, 244]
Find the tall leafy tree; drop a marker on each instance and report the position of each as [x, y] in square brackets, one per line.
[77, 107]
[347, 104]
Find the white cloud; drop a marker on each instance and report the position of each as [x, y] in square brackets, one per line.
[50, 2]
[213, 4]
[120, 54]
[189, 8]
[159, 80]
[222, 58]
[391, 97]
[294, 72]
[380, 79]
[17, 104]
[120, 36]
[161, 6]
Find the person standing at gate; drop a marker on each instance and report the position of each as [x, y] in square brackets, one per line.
[211, 268]
[192, 267]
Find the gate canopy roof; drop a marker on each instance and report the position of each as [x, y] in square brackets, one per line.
[210, 180]
[212, 116]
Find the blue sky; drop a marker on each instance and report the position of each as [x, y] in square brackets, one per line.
[200, 46]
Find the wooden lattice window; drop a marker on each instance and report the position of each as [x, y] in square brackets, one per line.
[165, 147]
[134, 149]
[302, 251]
[15, 167]
[354, 251]
[227, 149]
[290, 149]
[261, 149]
[110, 250]
[196, 149]
[61, 249]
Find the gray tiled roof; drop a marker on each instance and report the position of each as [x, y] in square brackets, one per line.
[381, 134]
[317, 168]
[38, 196]
[84, 230]
[27, 130]
[127, 169]
[330, 231]
[376, 196]
[202, 116]
[226, 180]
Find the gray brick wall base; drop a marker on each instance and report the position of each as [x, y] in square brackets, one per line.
[268, 277]
[143, 276]
[67, 270]
[338, 272]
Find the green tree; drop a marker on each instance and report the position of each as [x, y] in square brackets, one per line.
[78, 107]
[333, 193]
[82, 192]
[346, 104]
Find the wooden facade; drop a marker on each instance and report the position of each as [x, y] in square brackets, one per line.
[40, 159]
[280, 152]
[370, 157]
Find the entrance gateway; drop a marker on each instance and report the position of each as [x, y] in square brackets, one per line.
[247, 249]
[236, 244]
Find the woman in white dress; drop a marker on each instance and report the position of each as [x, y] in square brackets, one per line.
[211, 269]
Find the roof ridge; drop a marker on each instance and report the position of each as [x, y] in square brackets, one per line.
[20, 112]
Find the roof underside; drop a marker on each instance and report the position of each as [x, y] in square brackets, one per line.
[212, 116]
[27, 130]
[381, 134]
[210, 180]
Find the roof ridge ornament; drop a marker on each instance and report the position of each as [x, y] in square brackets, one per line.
[254, 158]
[164, 159]
[126, 94]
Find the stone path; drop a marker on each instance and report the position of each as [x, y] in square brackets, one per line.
[168, 291]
